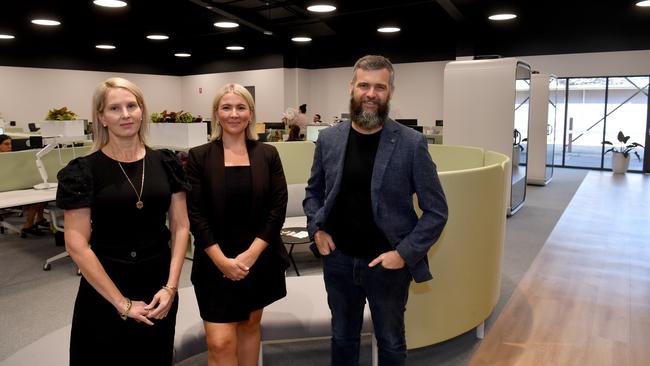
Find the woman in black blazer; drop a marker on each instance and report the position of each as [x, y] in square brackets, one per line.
[237, 207]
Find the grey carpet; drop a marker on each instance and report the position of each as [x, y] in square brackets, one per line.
[34, 302]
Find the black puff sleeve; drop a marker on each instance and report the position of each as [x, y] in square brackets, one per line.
[175, 172]
[75, 188]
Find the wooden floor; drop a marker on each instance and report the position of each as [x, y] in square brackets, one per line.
[585, 301]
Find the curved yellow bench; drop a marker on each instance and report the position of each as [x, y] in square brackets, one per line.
[466, 260]
[296, 157]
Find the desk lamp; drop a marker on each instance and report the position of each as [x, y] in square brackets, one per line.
[41, 168]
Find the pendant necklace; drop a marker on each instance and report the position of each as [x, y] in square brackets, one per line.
[138, 204]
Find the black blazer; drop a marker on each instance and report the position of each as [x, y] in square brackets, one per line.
[205, 203]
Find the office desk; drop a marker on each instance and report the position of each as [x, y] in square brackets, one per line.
[24, 197]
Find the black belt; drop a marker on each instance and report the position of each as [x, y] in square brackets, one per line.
[129, 254]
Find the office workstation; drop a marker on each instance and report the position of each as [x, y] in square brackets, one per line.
[541, 259]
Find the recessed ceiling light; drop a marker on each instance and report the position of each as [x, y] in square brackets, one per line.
[268, 33]
[110, 3]
[226, 25]
[301, 39]
[157, 37]
[644, 3]
[6, 36]
[388, 29]
[182, 54]
[321, 8]
[105, 46]
[235, 48]
[46, 22]
[505, 16]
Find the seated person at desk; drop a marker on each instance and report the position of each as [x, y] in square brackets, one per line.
[34, 212]
[294, 133]
[317, 118]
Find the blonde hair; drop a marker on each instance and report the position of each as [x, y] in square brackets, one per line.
[236, 89]
[291, 114]
[100, 133]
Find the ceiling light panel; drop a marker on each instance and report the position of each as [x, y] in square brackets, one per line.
[6, 36]
[500, 17]
[158, 37]
[225, 24]
[321, 8]
[46, 22]
[301, 39]
[110, 3]
[390, 29]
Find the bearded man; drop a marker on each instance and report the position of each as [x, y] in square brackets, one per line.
[360, 214]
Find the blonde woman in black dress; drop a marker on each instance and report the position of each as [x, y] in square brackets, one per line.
[116, 202]
[237, 207]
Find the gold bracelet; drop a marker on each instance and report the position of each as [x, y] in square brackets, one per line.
[125, 314]
[171, 289]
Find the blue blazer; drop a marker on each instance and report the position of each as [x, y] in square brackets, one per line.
[403, 167]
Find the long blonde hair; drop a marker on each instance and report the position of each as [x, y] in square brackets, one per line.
[236, 89]
[100, 133]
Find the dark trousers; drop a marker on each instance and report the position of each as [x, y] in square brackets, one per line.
[349, 282]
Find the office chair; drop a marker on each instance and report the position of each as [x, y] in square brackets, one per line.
[5, 226]
[56, 216]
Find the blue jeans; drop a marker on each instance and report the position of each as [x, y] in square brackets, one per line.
[349, 282]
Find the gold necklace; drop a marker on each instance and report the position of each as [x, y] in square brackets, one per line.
[138, 204]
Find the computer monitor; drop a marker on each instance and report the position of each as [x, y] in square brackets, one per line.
[313, 131]
[274, 125]
[19, 144]
[36, 142]
[417, 128]
[32, 127]
[407, 121]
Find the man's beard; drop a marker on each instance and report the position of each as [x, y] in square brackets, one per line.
[368, 120]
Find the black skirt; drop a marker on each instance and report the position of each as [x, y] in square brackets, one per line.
[99, 335]
[222, 300]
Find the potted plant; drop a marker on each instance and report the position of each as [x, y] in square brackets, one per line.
[174, 117]
[621, 153]
[53, 126]
[176, 130]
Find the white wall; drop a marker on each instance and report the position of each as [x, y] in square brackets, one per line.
[27, 94]
[418, 92]
[269, 91]
[627, 63]
[328, 92]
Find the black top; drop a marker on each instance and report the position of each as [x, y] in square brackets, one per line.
[96, 181]
[351, 223]
[238, 205]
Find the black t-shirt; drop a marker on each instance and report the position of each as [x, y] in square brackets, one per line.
[96, 181]
[351, 223]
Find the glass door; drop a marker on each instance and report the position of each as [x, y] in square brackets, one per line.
[550, 126]
[520, 137]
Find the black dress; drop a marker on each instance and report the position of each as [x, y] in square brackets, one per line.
[220, 299]
[133, 247]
